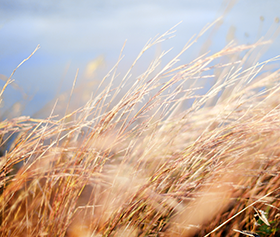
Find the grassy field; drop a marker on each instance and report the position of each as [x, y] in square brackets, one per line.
[152, 155]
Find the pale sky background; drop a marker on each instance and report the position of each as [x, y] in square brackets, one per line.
[71, 33]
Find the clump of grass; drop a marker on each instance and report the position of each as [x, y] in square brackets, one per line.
[140, 162]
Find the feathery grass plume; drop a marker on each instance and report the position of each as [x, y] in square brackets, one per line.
[139, 162]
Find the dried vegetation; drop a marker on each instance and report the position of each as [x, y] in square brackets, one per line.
[156, 159]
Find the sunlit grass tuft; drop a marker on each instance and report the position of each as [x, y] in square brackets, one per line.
[157, 159]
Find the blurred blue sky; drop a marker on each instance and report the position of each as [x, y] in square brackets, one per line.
[71, 33]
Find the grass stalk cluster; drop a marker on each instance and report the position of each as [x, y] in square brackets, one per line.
[157, 159]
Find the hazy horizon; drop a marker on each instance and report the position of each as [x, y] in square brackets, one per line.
[72, 33]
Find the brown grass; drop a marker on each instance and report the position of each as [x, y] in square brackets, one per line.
[139, 162]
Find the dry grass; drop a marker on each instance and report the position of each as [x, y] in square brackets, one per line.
[139, 162]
